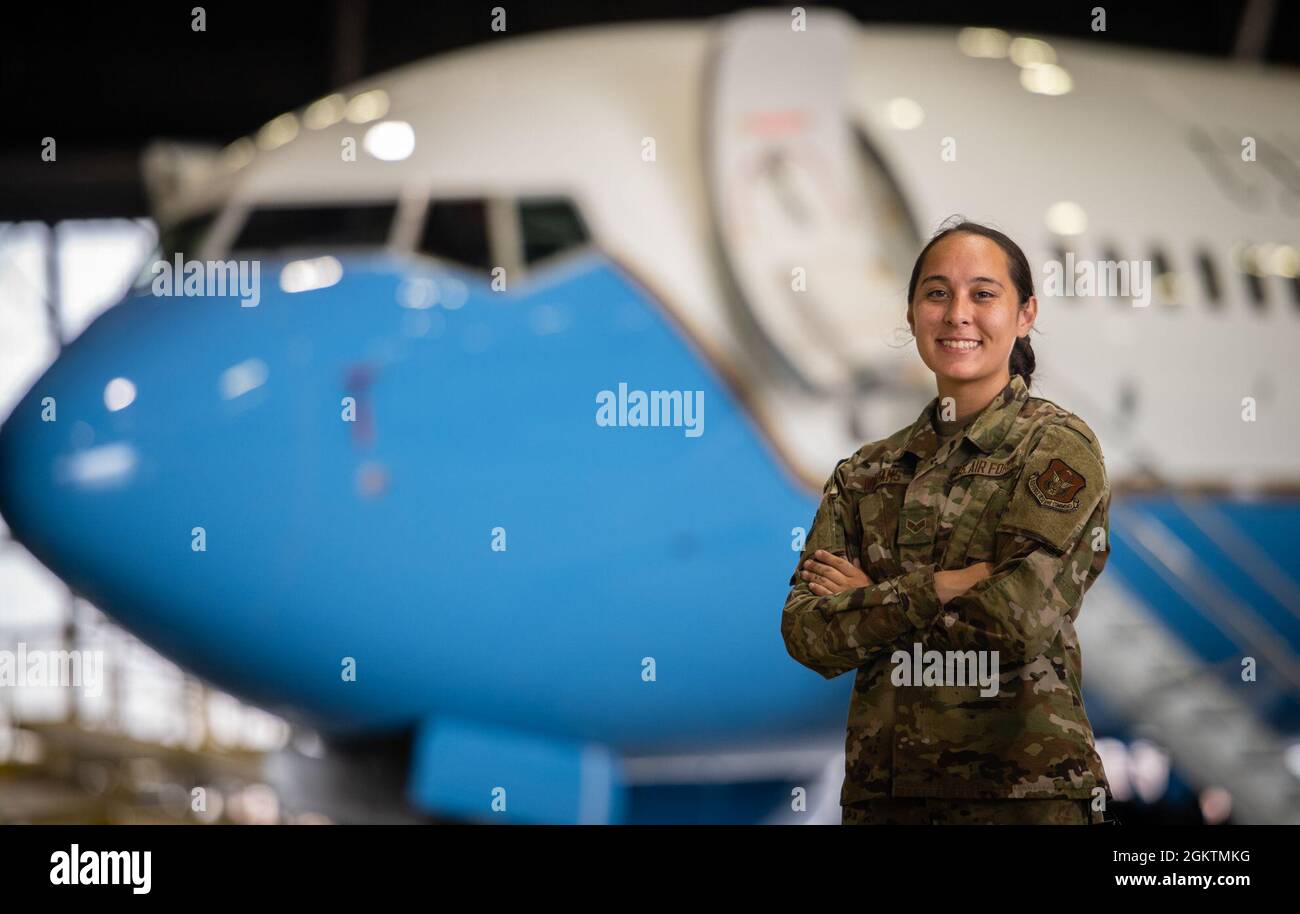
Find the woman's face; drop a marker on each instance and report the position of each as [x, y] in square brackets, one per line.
[966, 315]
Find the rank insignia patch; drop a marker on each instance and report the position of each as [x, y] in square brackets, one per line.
[1057, 486]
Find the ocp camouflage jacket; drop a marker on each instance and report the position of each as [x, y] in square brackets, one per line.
[1024, 487]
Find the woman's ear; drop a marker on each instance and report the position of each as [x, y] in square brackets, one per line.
[1026, 317]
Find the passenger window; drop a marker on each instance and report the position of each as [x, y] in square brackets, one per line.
[549, 226]
[1160, 262]
[277, 227]
[1209, 277]
[457, 231]
[1258, 295]
[1163, 277]
[1248, 266]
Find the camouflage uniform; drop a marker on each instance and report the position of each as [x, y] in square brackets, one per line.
[929, 811]
[1024, 487]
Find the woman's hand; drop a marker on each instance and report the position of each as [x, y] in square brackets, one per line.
[949, 584]
[828, 574]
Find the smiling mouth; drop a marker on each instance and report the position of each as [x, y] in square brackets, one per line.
[960, 345]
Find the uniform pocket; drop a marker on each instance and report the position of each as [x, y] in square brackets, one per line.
[878, 511]
[973, 507]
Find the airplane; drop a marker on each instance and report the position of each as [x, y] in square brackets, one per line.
[381, 501]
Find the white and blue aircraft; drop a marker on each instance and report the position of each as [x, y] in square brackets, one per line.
[579, 622]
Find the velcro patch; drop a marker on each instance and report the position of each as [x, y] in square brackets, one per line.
[891, 474]
[982, 466]
[1057, 486]
[1062, 481]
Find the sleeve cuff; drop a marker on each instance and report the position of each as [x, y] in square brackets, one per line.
[910, 600]
[919, 595]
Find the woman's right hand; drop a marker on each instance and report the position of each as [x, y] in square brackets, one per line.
[950, 584]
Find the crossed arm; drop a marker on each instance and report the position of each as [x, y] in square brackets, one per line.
[836, 618]
[839, 619]
[828, 574]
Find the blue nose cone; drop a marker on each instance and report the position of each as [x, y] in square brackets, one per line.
[79, 451]
[184, 464]
[63, 456]
[141, 465]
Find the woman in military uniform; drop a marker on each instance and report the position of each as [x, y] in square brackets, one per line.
[947, 564]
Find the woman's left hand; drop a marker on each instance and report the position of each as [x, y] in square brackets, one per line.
[828, 574]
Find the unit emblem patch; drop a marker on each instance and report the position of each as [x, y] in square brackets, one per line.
[1057, 486]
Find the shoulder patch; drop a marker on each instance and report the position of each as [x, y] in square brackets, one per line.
[1057, 486]
[1061, 483]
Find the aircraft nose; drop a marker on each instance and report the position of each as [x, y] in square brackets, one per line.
[133, 466]
[187, 461]
[59, 453]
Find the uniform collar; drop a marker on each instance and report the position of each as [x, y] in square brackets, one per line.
[986, 432]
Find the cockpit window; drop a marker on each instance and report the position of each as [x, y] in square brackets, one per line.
[355, 225]
[549, 225]
[457, 231]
